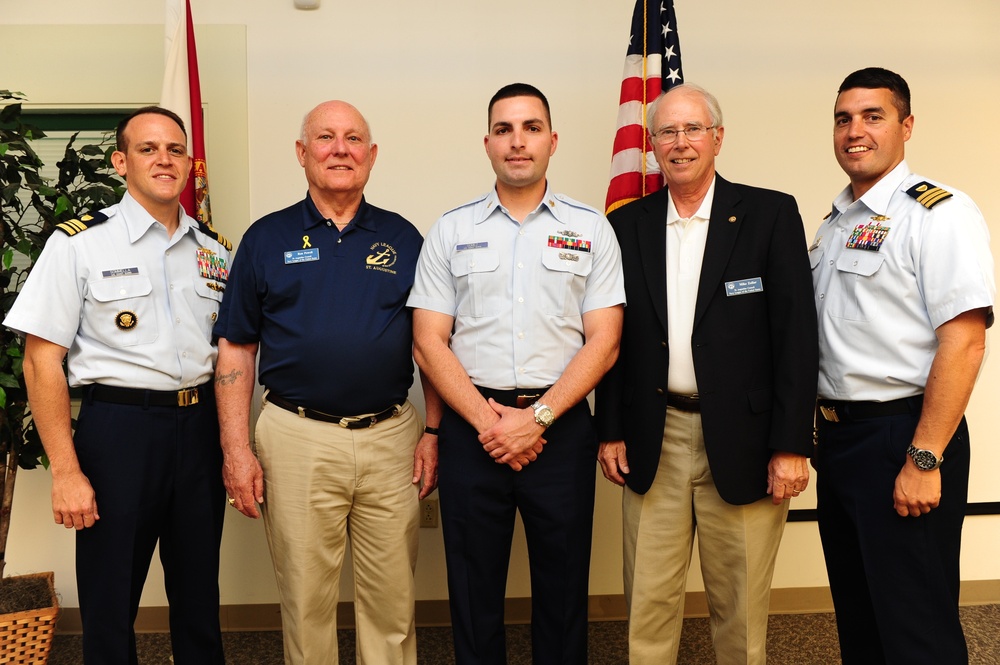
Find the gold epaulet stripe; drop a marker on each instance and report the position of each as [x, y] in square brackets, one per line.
[928, 195]
[212, 233]
[74, 226]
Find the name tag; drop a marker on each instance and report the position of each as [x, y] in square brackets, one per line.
[302, 255]
[471, 245]
[118, 272]
[743, 286]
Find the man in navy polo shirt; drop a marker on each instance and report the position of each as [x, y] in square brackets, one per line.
[320, 290]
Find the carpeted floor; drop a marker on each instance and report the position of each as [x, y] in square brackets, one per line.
[792, 639]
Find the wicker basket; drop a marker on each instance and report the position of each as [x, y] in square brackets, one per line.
[26, 637]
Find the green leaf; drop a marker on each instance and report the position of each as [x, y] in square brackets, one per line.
[62, 205]
[8, 258]
[9, 381]
[3, 398]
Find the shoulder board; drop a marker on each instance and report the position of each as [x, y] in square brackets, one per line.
[468, 203]
[74, 226]
[575, 204]
[215, 235]
[927, 194]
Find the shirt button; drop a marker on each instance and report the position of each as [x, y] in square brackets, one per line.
[520, 265]
[520, 370]
[339, 240]
[521, 232]
[831, 262]
[520, 335]
[822, 295]
[520, 299]
[123, 292]
[329, 223]
[855, 263]
[178, 319]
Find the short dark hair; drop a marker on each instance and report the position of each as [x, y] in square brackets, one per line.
[877, 77]
[518, 90]
[120, 143]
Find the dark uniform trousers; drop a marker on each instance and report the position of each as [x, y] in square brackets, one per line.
[157, 475]
[894, 580]
[555, 496]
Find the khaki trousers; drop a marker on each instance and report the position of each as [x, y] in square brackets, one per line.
[324, 484]
[737, 546]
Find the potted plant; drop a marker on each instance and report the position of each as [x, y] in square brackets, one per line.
[30, 207]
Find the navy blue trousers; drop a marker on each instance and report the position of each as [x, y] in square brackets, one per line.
[555, 497]
[157, 476]
[895, 580]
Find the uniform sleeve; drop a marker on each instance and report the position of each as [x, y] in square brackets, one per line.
[605, 284]
[434, 284]
[51, 300]
[954, 267]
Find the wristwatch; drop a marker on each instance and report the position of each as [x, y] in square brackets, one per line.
[543, 414]
[925, 459]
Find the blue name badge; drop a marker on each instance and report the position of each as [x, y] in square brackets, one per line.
[471, 245]
[302, 255]
[743, 286]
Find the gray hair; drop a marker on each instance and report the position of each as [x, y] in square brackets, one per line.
[714, 110]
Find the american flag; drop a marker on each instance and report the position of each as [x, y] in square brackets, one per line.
[652, 65]
[182, 95]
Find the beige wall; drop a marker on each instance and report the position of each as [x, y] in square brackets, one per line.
[423, 73]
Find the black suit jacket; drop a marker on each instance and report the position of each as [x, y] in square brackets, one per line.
[755, 354]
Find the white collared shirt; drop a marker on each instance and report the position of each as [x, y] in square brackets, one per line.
[685, 252]
[134, 307]
[518, 292]
[888, 271]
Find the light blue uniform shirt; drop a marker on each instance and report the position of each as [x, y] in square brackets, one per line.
[518, 292]
[82, 286]
[887, 272]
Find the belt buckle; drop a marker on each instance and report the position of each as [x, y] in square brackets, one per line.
[829, 413]
[347, 421]
[187, 397]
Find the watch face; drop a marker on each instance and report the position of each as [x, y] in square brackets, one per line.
[924, 459]
[543, 415]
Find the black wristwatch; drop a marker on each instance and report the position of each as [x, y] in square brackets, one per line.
[925, 459]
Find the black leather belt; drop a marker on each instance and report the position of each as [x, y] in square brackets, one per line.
[689, 403]
[835, 411]
[350, 422]
[520, 398]
[142, 397]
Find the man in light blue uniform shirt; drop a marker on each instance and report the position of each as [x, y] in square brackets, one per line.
[518, 311]
[129, 296]
[904, 293]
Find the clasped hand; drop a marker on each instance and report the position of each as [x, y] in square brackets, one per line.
[516, 439]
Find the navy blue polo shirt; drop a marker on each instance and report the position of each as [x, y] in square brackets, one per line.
[328, 308]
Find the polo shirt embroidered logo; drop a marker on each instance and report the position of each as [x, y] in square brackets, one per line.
[126, 320]
[382, 258]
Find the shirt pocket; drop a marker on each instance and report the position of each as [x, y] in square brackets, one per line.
[206, 305]
[857, 272]
[564, 280]
[478, 287]
[124, 313]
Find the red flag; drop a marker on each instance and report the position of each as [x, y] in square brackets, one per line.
[652, 65]
[182, 95]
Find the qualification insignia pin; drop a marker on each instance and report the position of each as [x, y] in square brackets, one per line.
[126, 320]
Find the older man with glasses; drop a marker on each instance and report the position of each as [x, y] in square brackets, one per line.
[709, 407]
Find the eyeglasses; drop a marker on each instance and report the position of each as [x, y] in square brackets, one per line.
[692, 133]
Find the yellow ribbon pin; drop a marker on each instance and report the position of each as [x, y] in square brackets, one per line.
[305, 242]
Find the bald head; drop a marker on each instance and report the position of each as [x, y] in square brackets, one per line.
[336, 107]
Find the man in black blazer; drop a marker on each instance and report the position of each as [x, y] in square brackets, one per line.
[709, 407]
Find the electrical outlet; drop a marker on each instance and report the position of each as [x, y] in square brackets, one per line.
[429, 513]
